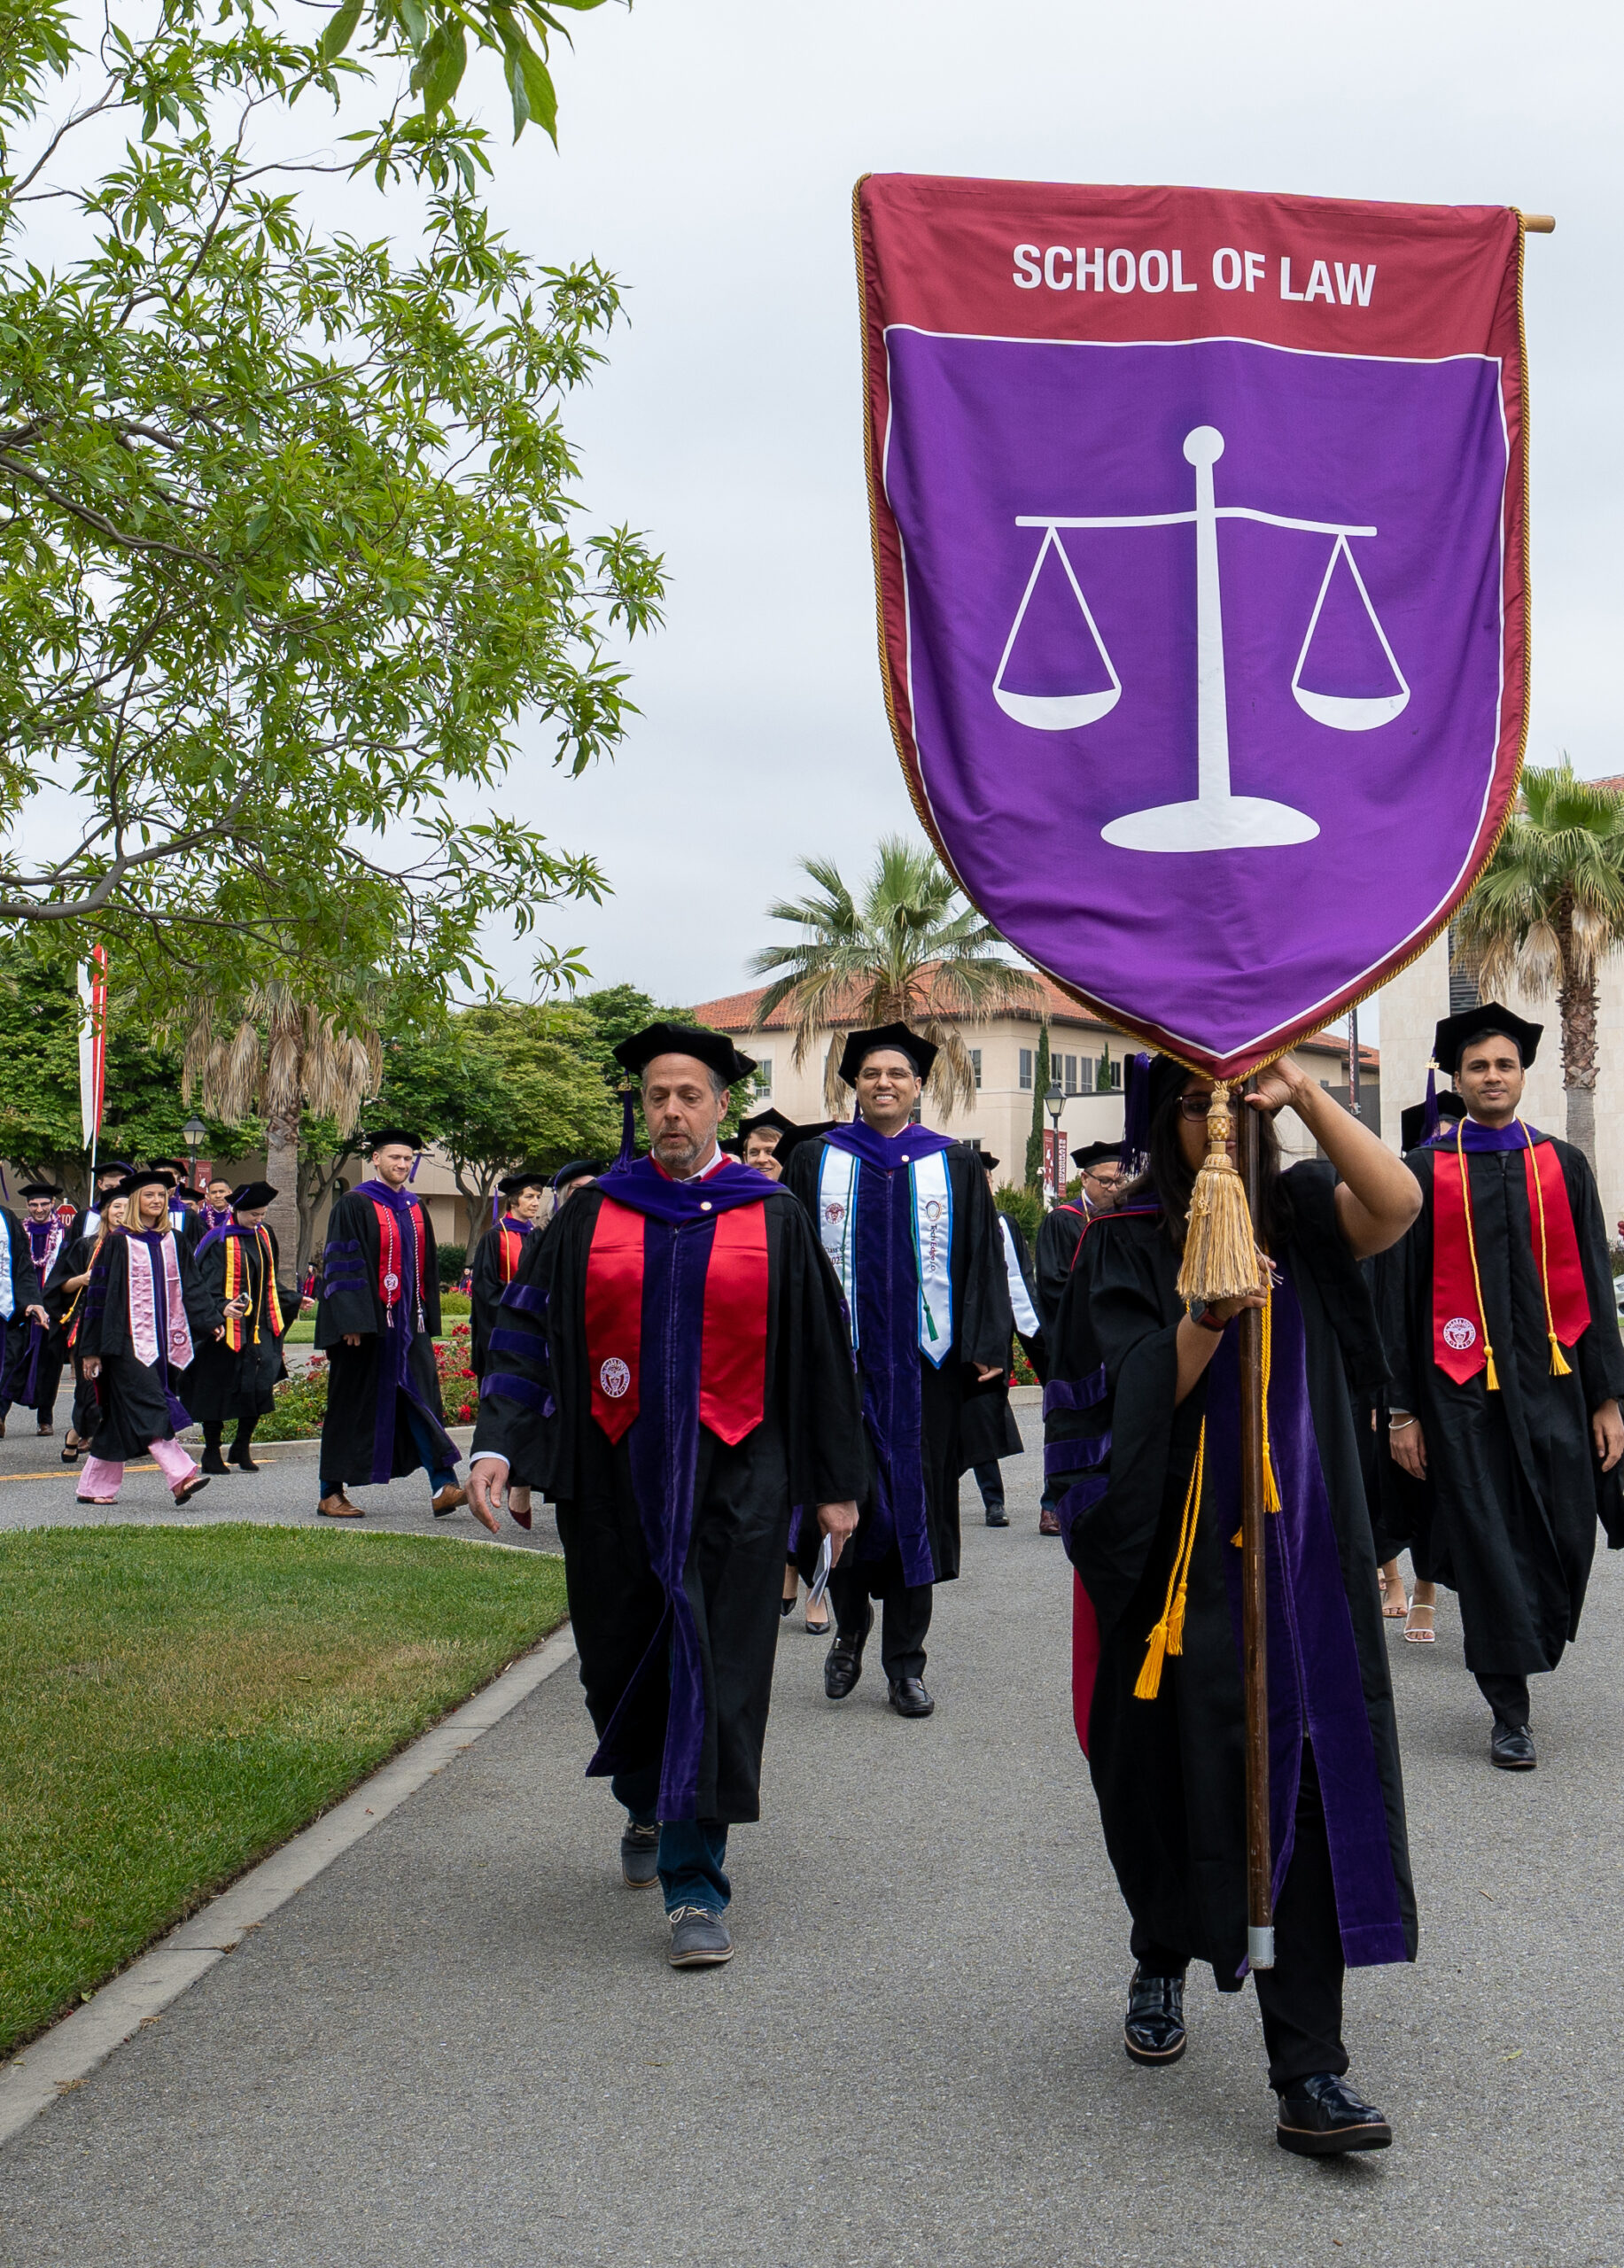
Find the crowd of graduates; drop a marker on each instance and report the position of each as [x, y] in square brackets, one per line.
[734, 1366]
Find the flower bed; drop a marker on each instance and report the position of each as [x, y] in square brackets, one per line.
[301, 1402]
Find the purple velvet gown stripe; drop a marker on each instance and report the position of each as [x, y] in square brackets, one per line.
[663, 1445]
[1075, 1393]
[1307, 1622]
[1080, 1455]
[516, 1389]
[529, 1299]
[1076, 1501]
[647, 1190]
[886, 1279]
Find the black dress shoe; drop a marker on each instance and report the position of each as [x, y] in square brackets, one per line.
[1321, 2116]
[997, 1517]
[909, 1697]
[842, 1665]
[1155, 2029]
[1511, 1748]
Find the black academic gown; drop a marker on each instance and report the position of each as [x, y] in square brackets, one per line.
[228, 1384]
[486, 1283]
[1059, 1234]
[984, 1326]
[1514, 1483]
[536, 1411]
[32, 1369]
[987, 1428]
[17, 1333]
[63, 1307]
[1169, 1772]
[372, 1389]
[133, 1396]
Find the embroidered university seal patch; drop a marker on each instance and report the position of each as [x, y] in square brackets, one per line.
[614, 1378]
[1460, 1331]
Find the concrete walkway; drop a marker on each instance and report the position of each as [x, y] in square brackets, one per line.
[462, 2045]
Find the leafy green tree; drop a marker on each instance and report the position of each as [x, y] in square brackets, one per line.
[290, 549]
[909, 950]
[501, 1087]
[1547, 910]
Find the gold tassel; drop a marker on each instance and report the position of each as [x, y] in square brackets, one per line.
[1491, 1376]
[1220, 1259]
[1148, 1683]
[1176, 1620]
[1561, 1367]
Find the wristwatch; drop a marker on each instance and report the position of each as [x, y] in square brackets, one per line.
[1200, 1312]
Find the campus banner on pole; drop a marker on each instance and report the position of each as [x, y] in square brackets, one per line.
[92, 1043]
[1199, 528]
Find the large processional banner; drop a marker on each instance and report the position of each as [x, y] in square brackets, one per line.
[1200, 525]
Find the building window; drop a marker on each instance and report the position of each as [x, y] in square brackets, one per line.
[1071, 1074]
[761, 1082]
[1026, 1069]
[975, 1067]
[1085, 1075]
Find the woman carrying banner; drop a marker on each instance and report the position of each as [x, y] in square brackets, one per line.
[144, 1310]
[1144, 1420]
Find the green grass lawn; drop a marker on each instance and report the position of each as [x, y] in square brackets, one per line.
[178, 1701]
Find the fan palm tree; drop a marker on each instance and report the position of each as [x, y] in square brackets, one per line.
[283, 1059]
[1548, 909]
[909, 950]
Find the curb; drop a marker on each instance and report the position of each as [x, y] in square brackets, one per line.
[72, 2048]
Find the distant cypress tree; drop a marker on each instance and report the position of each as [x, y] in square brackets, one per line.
[1040, 1088]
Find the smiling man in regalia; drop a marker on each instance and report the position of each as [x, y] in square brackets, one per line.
[1509, 1371]
[671, 1368]
[907, 1220]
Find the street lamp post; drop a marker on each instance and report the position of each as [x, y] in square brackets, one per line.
[1055, 1102]
[194, 1134]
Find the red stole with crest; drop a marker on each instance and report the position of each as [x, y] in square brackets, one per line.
[1460, 1329]
[733, 1366]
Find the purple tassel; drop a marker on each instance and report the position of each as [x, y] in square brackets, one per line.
[496, 1201]
[628, 1131]
[1429, 1115]
[1136, 1115]
[416, 1161]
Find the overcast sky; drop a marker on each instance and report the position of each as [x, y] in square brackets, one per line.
[709, 148]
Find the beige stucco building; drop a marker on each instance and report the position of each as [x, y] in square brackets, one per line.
[1005, 1051]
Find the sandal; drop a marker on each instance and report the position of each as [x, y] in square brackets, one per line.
[70, 1451]
[188, 1490]
[1419, 1634]
[1395, 1605]
[96, 1500]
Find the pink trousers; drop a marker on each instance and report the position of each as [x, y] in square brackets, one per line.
[101, 1478]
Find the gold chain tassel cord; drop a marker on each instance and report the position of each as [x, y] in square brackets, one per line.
[1220, 1259]
[1168, 1637]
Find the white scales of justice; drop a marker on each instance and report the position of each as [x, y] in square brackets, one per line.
[1216, 819]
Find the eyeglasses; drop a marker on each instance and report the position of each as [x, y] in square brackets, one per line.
[1195, 1105]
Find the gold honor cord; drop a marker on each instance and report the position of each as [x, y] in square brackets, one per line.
[1561, 1367]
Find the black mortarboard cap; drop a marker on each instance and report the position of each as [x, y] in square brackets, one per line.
[385, 1135]
[576, 1170]
[799, 1134]
[253, 1197]
[514, 1182]
[1413, 1122]
[770, 1119]
[113, 1165]
[1095, 1153]
[920, 1053]
[713, 1049]
[147, 1177]
[39, 1189]
[1454, 1032]
[990, 1164]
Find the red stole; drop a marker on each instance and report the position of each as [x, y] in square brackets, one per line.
[733, 1362]
[1460, 1329]
[510, 1250]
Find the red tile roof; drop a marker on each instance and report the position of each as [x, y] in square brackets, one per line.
[740, 1012]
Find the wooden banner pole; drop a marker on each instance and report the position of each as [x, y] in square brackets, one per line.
[1254, 1640]
[1539, 224]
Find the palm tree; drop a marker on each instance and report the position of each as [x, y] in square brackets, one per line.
[285, 1058]
[1548, 909]
[910, 951]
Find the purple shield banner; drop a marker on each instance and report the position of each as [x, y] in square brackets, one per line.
[1205, 652]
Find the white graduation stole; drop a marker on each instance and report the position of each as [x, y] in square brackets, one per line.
[1026, 1314]
[932, 1240]
[8, 1297]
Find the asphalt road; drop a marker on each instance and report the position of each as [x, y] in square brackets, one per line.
[462, 2045]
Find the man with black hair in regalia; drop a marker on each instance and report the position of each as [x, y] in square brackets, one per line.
[495, 1264]
[378, 1320]
[674, 1375]
[1101, 1174]
[1143, 1424]
[234, 1379]
[988, 1430]
[907, 1220]
[32, 1368]
[1508, 1371]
